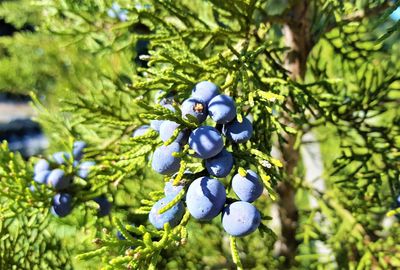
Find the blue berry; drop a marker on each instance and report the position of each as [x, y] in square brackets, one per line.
[163, 162]
[196, 108]
[168, 99]
[61, 157]
[32, 188]
[120, 236]
[41, 165]
[41, 177]
[104, 206]
[62, 205]
[140, 131]
[238, 132]
[240, 218]
[169, 107]
[155, 124]
[205, 198]
[172, 216]
[167, 128]
[62, 198]
[220, 165]
[205, 91]
[112, 12]
[77, 150]
[123, 15]
[247, 188]
[206, 142]
[84, 168]
[222, 109]
[170, 190]
[58, 180]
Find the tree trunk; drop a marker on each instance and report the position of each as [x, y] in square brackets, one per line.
[297, 35]
[298, 39]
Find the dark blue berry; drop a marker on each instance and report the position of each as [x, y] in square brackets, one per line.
[120, 236]
[222, 109]
[41, 165]
[61, 157]
[240, 218]
[168, 99]
[140, 131]
[62, 205]
[171, 190]
[205, 198]
[238, 132]
[155, 124]
[77, 150]
[206, 142]
[32, 188]
[205, 91]
[220, 165]
[163, 162]
[84, 169]
[58, 180]
[41, 177]
[247, 188]
[167, 129]
[195, 108]
[172, 216]
[104, 206]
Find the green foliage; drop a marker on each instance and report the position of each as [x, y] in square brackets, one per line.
[87, 84]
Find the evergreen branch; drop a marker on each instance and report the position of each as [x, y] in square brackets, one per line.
[173, 202]
[180, 173]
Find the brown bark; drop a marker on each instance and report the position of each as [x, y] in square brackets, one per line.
[298, 39]
[297, 35]
[288, 211]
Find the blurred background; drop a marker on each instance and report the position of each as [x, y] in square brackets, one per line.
[16, 115]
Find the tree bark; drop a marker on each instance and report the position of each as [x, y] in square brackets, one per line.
[297, 35]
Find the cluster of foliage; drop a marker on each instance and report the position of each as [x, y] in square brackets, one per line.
[327, 67]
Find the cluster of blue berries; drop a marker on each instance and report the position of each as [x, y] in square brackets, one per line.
[206, 196]
[54, 173]
[206, 141]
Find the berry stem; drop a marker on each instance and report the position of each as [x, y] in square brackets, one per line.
[235, 253]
